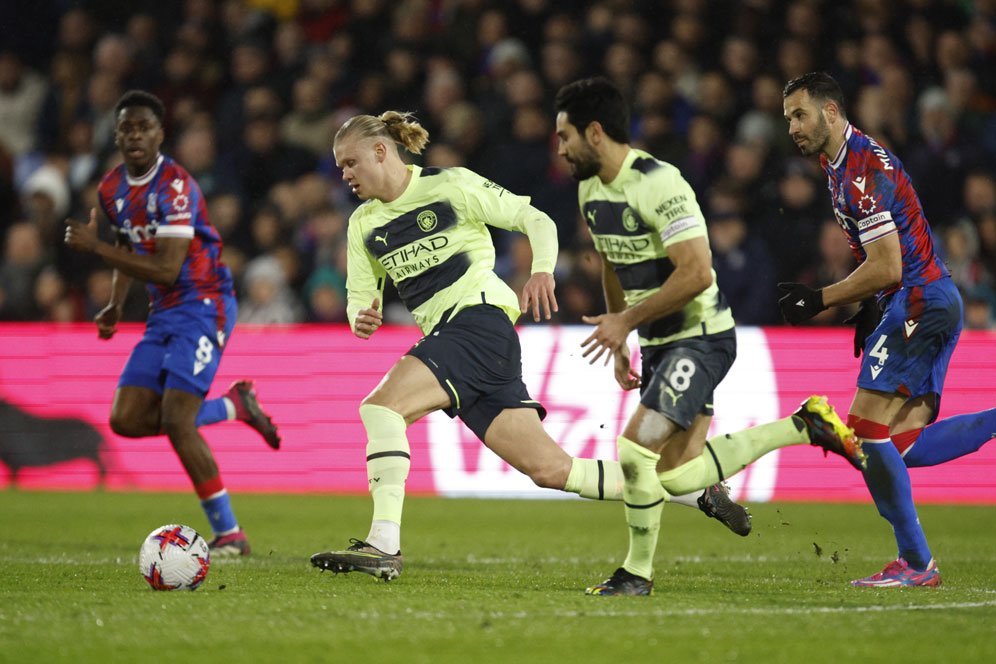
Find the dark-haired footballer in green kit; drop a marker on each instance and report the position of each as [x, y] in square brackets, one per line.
[427, 230]
[658, 279]
[633, 220]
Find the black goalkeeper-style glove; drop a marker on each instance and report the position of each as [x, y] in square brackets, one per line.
[800, 302]
[865, 320]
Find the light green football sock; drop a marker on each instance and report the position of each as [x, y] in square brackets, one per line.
[644, 501]
[599, 479]
[388, 463]
[730, 453]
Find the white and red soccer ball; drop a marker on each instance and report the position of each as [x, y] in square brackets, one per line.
[174, 557]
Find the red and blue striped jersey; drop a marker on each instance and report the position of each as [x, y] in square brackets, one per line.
[167, 202]
[873, 197]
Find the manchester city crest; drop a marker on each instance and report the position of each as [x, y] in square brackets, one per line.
[426, 220]
[629, 220]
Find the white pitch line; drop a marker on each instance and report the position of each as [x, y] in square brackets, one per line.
[693, 612]
[781, 611]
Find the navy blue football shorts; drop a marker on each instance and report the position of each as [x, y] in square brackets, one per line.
[910, 349]
[679, 378]
[181, 348]
[477, 360]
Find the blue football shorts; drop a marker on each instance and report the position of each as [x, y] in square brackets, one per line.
[678, 379]
[477, 359]
[181, 348]
[910, 349]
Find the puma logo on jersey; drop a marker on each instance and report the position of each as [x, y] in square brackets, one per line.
[591, 216]
[910, 326]
[381, 238]
[860, 184]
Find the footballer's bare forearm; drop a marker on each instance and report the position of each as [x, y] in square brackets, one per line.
[880, 271]
[160, 266]
[153, 268]
[120, 283]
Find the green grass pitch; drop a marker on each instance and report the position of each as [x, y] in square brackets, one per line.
[488, 581]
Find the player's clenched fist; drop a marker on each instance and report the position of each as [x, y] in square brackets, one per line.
[107, 321]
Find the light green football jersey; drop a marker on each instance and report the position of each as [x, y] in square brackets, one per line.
[433, 243]
[633, 220]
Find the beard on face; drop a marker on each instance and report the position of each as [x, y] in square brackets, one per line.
[818, 141]
[586, 164]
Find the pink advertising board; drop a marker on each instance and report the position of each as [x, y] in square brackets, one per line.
[56, 385]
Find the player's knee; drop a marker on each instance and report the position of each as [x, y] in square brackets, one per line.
[128, 427]
[550, 475]
[381, 422]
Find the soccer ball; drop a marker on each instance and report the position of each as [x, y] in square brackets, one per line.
[174, 557]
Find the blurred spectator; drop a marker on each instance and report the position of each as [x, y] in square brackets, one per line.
[744, 268]
[84, 161]
[790, 218]
[835, 262]
[979, 193]
[64, 100]
[22, 93]
[267, 298]
[264, 160]
[186, 74]
[717, 100]
[45, 201]
[938, 165]
[740, 61]
[705, 153]
[560, 64]
[52, 300]
[978, 312]
[77, 32]
[763, 124]
[225, 212]
[404, 77]
[309, 123]
[196, 150]
[23, 260]
[249, 69]
[114, 55]
[325, 296]
[744, 168]
[960, 250]
[103, 92]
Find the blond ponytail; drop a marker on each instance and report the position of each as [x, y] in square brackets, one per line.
[402, 128]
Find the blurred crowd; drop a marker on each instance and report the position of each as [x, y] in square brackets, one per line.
[255, 89]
